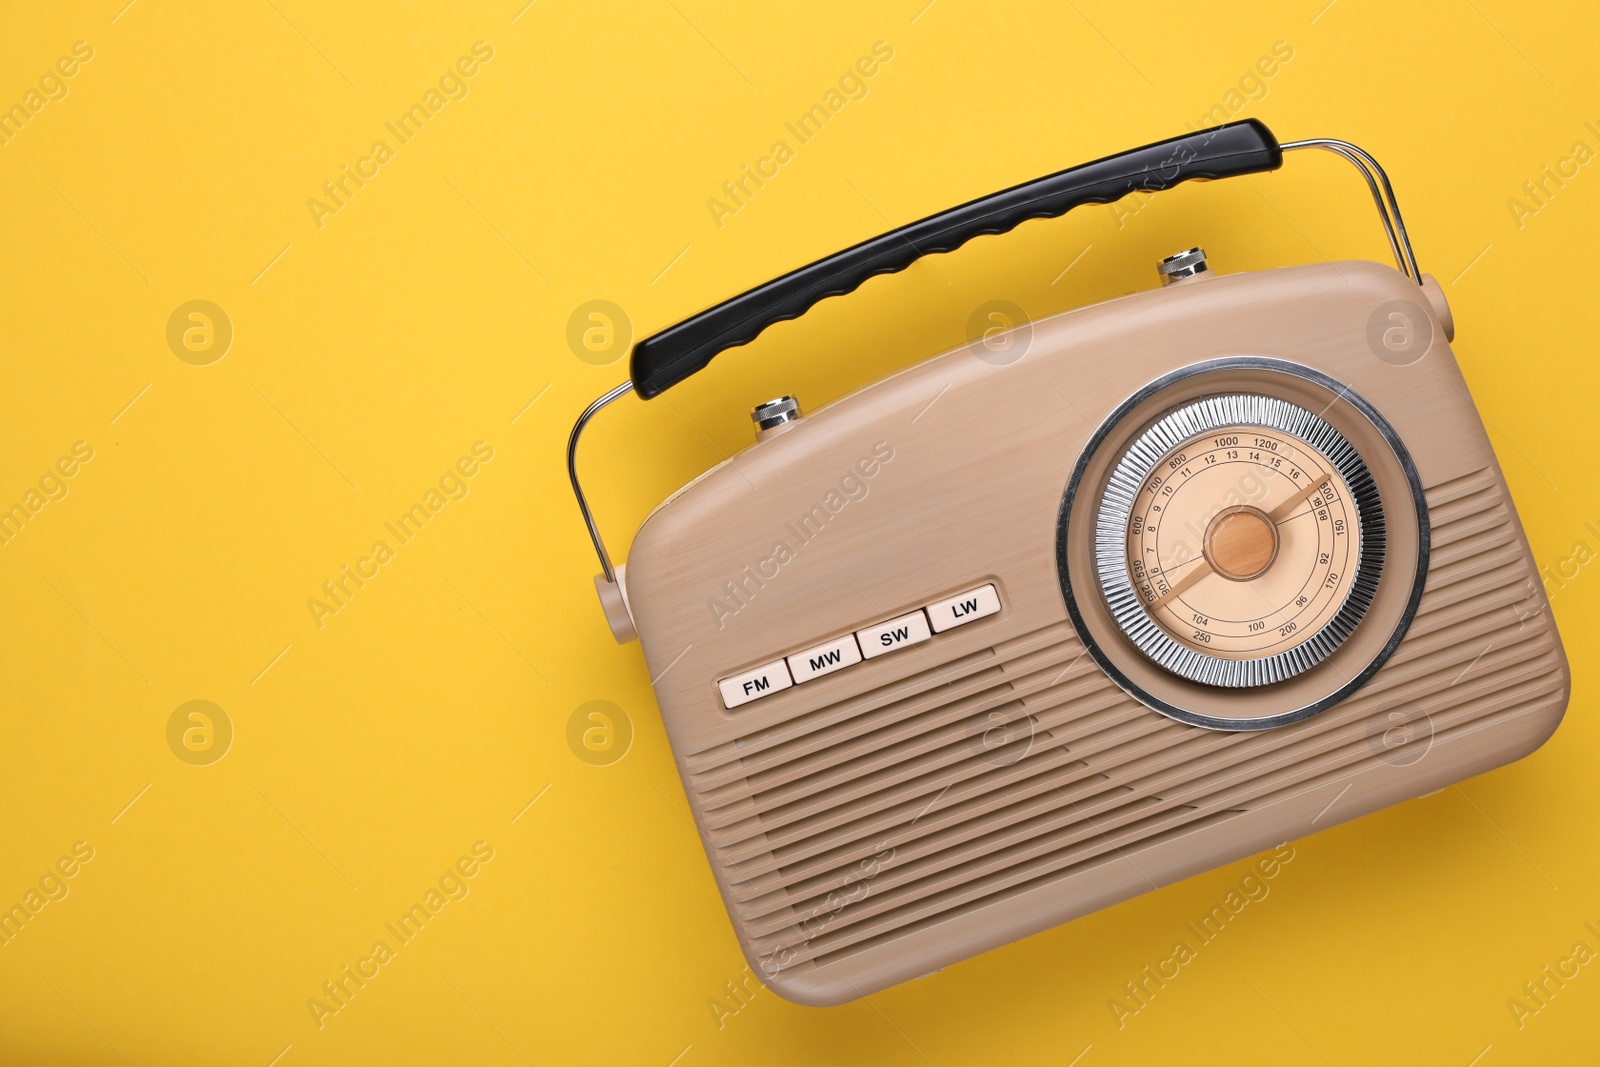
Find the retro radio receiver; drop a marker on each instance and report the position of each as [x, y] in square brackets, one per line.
[996, 642]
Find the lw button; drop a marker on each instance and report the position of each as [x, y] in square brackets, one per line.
[963, 608]
[896, 633]
[753, 685]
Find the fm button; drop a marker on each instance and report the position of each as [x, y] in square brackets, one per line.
[753, 685]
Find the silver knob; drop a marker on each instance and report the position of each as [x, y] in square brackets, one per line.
[1181, 266]
[775, 413]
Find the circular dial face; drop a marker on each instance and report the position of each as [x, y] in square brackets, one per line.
[1240, 540]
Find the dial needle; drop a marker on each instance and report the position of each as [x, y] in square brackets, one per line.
[1282, 510]
[1278, 514]
[1182, 585]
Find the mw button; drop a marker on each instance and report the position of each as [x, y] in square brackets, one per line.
[824, 659]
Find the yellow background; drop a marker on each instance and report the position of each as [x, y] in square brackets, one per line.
[431, 311]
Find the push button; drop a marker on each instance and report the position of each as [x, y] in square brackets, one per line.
[753, 685]
[896, 633]
[963, 608]
[824, 659]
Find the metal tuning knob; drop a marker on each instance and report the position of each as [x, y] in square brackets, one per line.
[1183, 265]
[775, 414]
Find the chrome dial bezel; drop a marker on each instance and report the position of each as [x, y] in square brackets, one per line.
[1139, 461]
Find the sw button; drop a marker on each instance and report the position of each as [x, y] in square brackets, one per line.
[753, 685]
[824, 659]
[963, 608]
[896, 633]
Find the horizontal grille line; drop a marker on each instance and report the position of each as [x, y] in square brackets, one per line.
[1476, 543]
[1455, 488]
[1441, 615]
[1464, 578]
[1480, 502]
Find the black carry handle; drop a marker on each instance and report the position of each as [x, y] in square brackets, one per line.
[667, 358]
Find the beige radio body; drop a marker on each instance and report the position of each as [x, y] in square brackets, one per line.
[1039, 625]
[863, 825]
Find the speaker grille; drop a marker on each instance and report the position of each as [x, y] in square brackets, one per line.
[989, 775]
